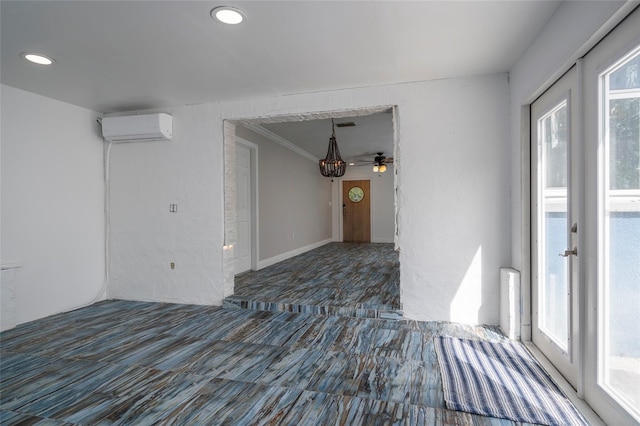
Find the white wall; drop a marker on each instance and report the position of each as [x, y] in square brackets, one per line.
[453, 197]
[570, 33]
[453, 186]
[52, 203]
[294, 199]
[146, 177]
[382, 202]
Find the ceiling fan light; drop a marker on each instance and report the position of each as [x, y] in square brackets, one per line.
[383, 168]
[375, 168]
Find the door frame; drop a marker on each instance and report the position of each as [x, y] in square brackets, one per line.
[227, 162]
[254, 215]
[341, 198]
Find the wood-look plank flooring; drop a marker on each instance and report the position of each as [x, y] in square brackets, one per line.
[347, 279]
[275, 362]
[138, 363]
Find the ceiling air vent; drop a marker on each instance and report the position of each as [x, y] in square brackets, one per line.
[347, 124]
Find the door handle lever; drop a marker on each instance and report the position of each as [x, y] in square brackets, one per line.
[568, 252]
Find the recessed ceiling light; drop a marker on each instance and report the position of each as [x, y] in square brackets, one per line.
[37, 58]
[228, 15]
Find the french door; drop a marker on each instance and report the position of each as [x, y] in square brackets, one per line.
[612, 213]
[555, 210]
[585, 140]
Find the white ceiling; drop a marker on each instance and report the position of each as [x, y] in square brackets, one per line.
[127, 55]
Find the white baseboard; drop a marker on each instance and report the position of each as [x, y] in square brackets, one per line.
[288, 255]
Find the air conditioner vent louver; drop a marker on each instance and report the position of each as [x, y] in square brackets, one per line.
[138, 128]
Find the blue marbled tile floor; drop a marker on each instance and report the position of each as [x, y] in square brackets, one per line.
[347, 279]
[138, 363]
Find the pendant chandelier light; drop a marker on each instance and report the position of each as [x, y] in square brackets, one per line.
[333, 165]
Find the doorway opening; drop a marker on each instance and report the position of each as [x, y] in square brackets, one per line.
[235, 130]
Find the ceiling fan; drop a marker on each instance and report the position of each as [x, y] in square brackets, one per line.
[379, 162]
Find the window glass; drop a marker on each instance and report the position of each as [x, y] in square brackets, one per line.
[620, 224]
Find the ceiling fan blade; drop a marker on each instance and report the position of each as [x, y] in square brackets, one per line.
[366, 154]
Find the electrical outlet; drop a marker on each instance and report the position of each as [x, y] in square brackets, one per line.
[173, 265]
[173, 208]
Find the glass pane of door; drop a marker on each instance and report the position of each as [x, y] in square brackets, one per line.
[619, 220]
[555, 207]
[553, 300]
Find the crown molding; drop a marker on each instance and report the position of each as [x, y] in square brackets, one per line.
[280, 140]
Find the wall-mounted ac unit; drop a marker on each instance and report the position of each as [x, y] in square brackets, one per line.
[138, 128]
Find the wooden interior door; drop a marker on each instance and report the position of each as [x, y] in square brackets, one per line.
[356, 211]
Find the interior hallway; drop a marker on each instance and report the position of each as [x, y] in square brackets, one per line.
[349, 279]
